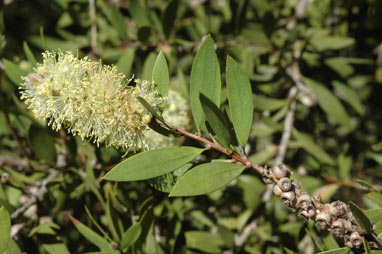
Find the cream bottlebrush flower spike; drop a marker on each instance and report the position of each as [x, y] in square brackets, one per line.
[91, 100]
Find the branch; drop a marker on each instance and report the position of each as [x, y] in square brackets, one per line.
[93, 20]
[38, 195]
[335, 217]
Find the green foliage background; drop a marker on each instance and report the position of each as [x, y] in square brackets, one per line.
[336, 137]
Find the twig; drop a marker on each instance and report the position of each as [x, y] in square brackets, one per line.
[288, 126]
[13, 161]
[335, 217]
[93, 29]
[36, 196]
[240, 239]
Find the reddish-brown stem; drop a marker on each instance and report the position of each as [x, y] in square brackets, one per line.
[216, 147]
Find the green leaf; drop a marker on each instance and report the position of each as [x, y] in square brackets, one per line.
[337, 251]
[52, 43]
[216, 120]
[376, 197]
[55, 248]
[361, 217]
[12, 248]
[166, 182]
[5, 229]
[161, 75]
[42, 144]
[112, 219]
[366, 246]
[152, 163]
[148, 66]
[205, 78]
[92, 236]
[131, 235]
[265, 103]
[13, 71]
[374, 215]
[328, 102]
[206, 178]
[203, 241]
[138, 13]
[29, 54]
[340, 65]
[118, 22]
[350, 96]
[169, 17]
[125, 62]
[250, 185]
[323, 43]
[365, 184]
[240, 100]
[344, 164]
[306, 143]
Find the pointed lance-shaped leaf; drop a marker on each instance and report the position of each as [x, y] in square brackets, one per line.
[152, 163]
[216, 120]
[240, 100]
[161, 75]
[206, 178]
[5, 229]
[205, 78]
[92, 236]
[361, 217]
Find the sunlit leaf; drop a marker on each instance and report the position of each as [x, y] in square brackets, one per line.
[322, 43]
[328, 102]
[205, 78]
[206, 178]
[29, 54]
[240, 100]
[376, 197]
[350, 96]
[55, 248]
[5, 229]
[265, 103]
[13, 71]
[161, 75]
[125, 62]
[152, 163]
[203, 241]
[374, 215]
[131, 235]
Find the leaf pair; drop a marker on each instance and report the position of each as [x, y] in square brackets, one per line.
[205, 93]
[200, 180]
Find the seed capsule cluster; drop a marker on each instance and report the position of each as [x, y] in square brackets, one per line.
[335, 217]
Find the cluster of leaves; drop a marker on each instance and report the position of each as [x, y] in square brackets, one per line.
[335, 134]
